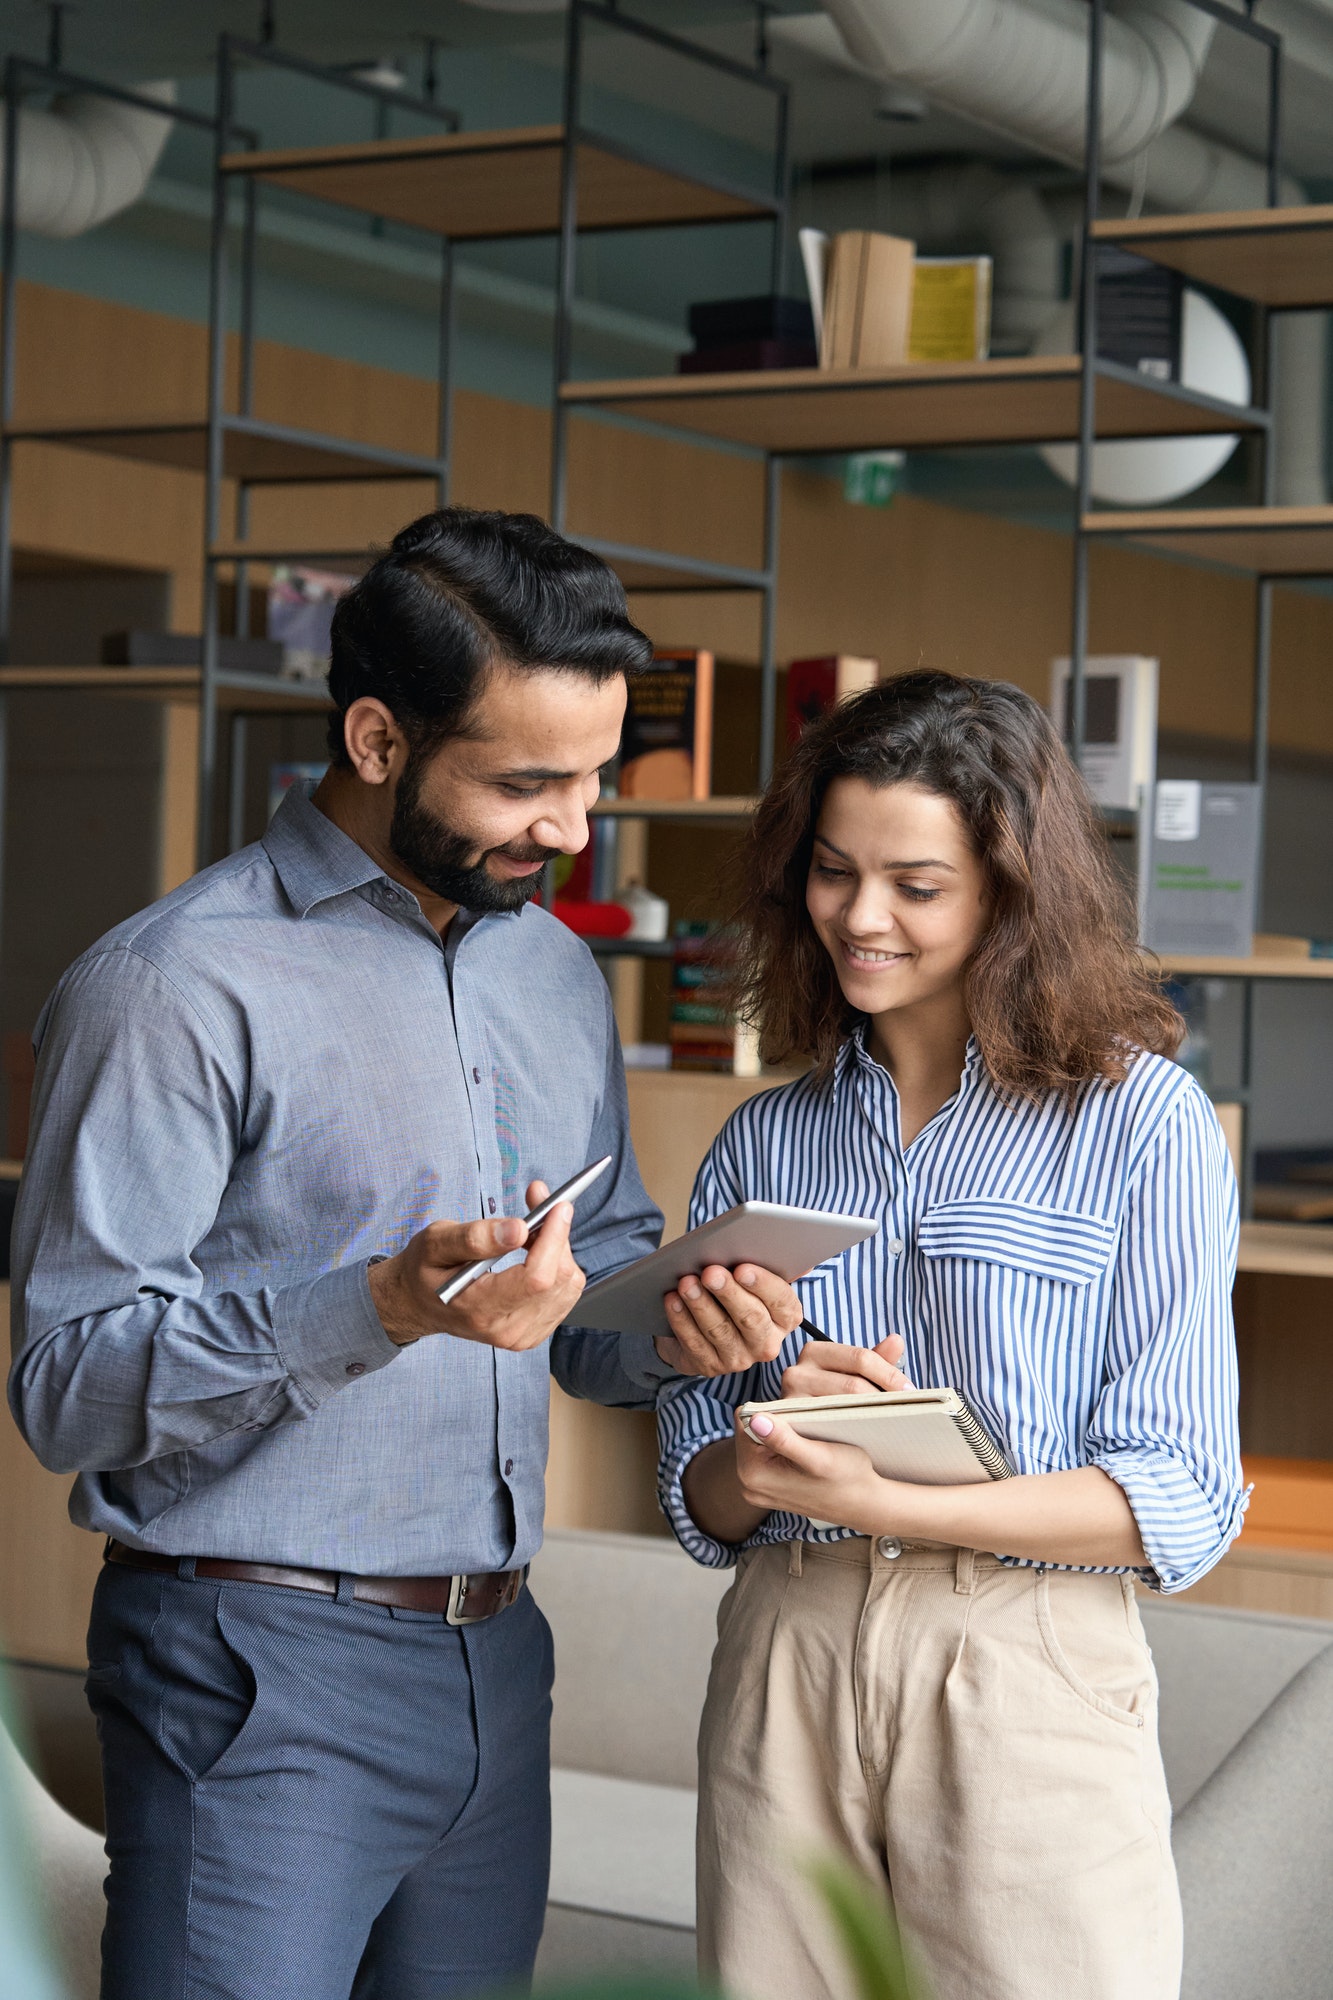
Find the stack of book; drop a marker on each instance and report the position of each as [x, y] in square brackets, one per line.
[731, 335]
[704, 1032]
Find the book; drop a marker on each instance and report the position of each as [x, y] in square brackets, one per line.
[723, 322]
[702, 1028]
[867, 300]
[815, 685]
[951, 302]
[739, 356]
[928, 1437]
[1119, 756]
[666, 746]
[1203, 868]
[1139, 310]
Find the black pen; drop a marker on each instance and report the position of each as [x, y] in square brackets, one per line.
[816, 1333]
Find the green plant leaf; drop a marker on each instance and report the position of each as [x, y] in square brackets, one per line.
[867, 1928]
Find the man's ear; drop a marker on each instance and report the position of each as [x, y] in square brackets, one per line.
[375, 743]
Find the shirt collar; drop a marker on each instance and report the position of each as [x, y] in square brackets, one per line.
[314, 859]
[855, 1055]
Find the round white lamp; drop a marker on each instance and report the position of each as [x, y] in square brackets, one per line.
[1151, 471]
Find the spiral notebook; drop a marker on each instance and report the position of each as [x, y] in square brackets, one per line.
[927, 1437]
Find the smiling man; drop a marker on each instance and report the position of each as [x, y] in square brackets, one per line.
[272, 1114]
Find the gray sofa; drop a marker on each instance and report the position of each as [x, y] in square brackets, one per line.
[1247, 1714]
[1246, 1719]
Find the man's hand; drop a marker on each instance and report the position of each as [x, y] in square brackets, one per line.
[826, 1368]
[515, 1309]
[723, 1321]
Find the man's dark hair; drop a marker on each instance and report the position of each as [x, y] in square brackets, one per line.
[458, 593]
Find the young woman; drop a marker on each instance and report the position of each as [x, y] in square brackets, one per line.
[933, 919]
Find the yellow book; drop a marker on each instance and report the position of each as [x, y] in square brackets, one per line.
[951, 300]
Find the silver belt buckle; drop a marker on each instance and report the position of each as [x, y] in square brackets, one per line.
[455, 1615]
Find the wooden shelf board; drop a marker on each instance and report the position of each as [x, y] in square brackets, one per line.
[295, 457]
[1275, 256]
[1275, 966]
[1293, 1249]
[251, 692]
[1031, 400]
[1265, 541]
[482, 186]
[739, 809]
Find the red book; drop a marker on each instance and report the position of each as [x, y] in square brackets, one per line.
[813, 686]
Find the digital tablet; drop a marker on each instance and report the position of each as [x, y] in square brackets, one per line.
[788, 1241]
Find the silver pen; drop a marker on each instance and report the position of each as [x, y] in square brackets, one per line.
[569, 1192]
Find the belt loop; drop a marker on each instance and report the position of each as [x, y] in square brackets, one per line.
[346, 1591]
[794, 1553]
[185, 1568]
[965, 1573]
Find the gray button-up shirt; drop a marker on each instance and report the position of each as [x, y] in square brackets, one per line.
[243, 1094]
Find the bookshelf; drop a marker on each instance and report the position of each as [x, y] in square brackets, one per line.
[1263, 542]
[1281, 258]
[916, 406]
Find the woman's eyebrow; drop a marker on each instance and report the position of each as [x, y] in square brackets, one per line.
[822, 840]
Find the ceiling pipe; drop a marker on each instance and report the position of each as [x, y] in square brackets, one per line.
[1019, 68]
[85, 159]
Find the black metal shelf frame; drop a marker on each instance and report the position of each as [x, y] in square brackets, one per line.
[233, 53]
[679, 572]
[1270, 43]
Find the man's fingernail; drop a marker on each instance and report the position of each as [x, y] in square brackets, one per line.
[674, 1306]
[746, 1275]
[761, 1427]
[509, 1233]
[716, 1281]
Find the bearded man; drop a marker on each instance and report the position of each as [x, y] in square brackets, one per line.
[273, 1114]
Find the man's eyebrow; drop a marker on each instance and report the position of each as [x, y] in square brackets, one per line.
[823, 841]
[534, 772]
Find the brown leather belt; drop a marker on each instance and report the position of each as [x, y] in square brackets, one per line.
[460, 1600]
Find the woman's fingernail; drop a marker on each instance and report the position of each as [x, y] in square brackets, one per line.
[761, 1427]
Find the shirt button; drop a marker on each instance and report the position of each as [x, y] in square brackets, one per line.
[509, 1466]
[356, 1368]
[490, 1204]
[476, 1074]
[889, 1546]
[896, 1245]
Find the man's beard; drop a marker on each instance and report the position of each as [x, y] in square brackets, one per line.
[447, 862]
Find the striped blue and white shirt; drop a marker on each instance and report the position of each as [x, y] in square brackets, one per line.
[1067, 1270]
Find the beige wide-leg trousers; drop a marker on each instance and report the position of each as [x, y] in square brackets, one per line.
[981, 1740]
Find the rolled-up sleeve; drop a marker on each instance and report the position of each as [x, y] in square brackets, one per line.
[1165, 1426]
[121, 1355]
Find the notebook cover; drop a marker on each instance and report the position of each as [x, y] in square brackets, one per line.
[926, 1437]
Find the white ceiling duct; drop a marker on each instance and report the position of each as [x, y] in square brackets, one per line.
[86, 158]
[1019, 67]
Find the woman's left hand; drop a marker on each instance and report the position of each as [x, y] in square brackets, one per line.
[778, 1469]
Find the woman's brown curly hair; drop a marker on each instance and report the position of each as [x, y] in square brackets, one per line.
[1057, 992]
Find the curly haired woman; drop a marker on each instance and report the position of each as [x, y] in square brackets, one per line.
[952, 1685]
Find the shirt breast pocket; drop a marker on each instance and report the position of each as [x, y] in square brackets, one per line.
[1008, 1288]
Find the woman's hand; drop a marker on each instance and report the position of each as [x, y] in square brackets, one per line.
[723, 1322]
[826, 1368]
[778, 1469]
